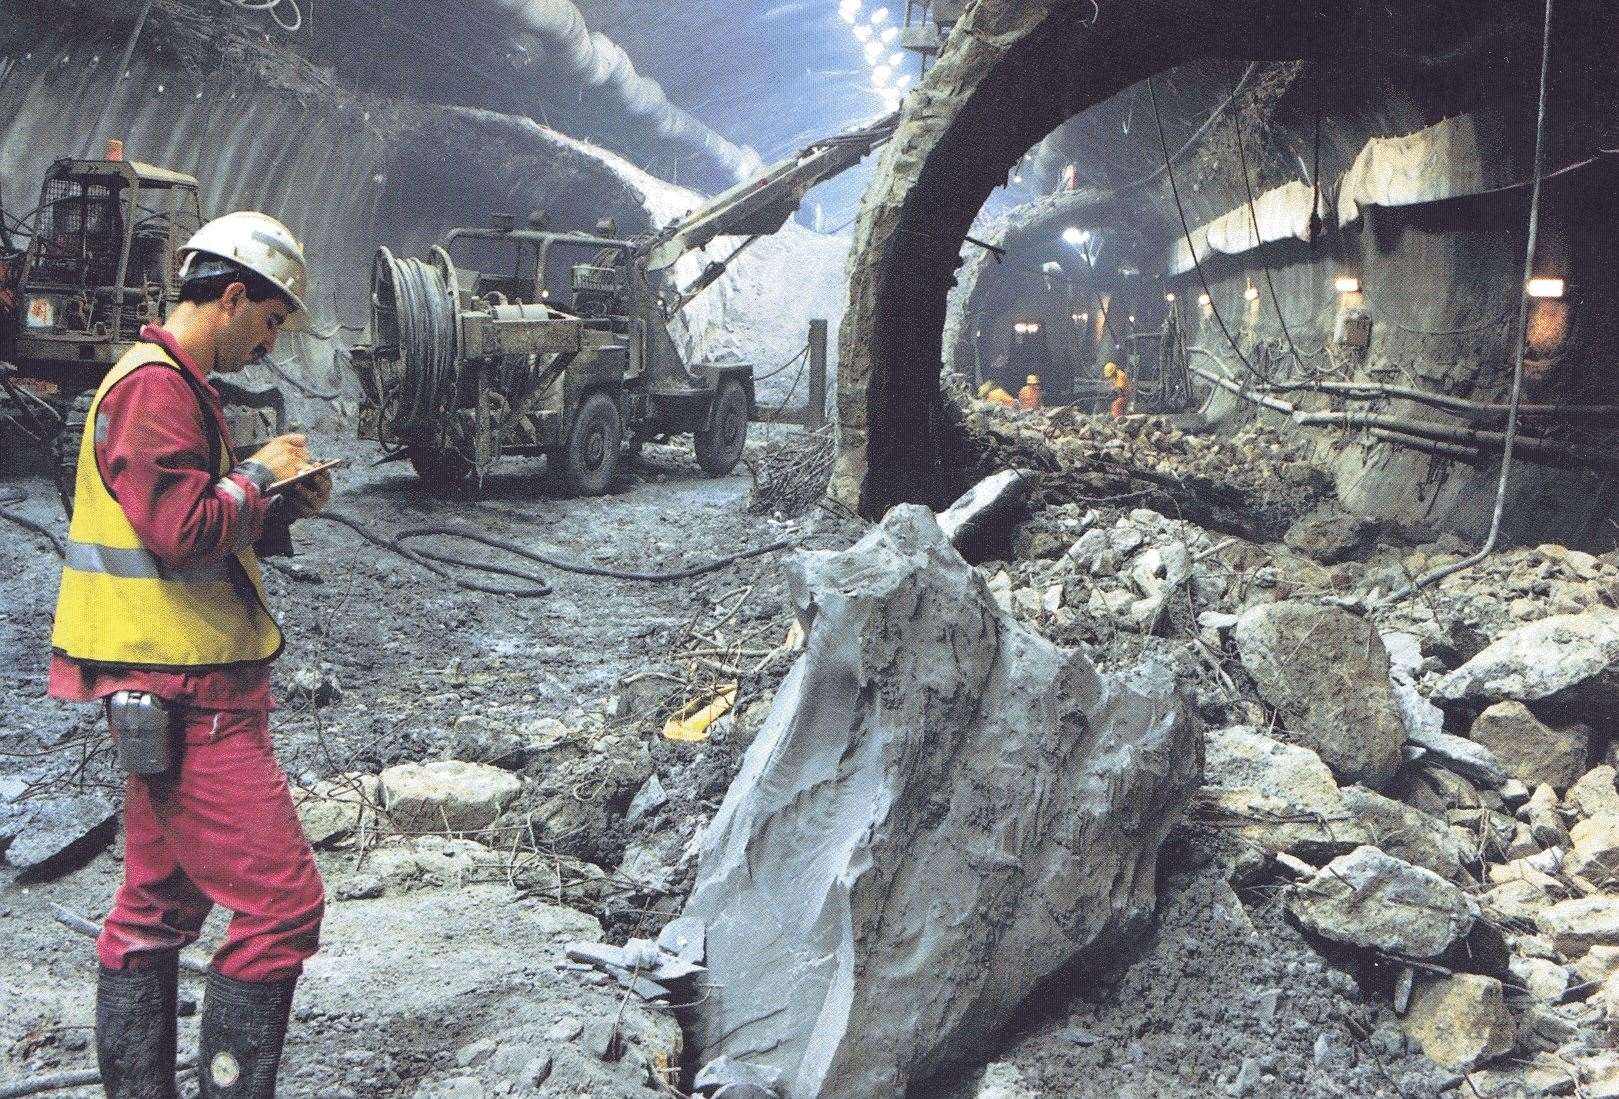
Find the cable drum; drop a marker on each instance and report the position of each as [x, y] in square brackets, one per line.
[413, 313]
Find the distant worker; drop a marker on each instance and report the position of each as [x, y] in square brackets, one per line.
[1030, 397]
[994, 394]
[1122, 391]
[163, 619]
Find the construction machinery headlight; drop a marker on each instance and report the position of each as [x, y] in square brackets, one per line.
[41, 312]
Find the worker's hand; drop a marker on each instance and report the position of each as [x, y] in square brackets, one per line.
[284, 456]
[309, 497]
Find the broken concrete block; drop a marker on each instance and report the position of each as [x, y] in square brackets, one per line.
[1575, 926]
[1327, 674]
[1531, 750]
[994, 496]
[446, 795]
[1520, 899]
[1462, 1021]
[1544, 980]
[877, 904]
[1278, 796]
[1406, 833]
[1594, 794]
[1573, 653]
[45, 835]
[1330, 535]
[1373, 901]
[1599, 963]
[1596, 850]
[1466, 758]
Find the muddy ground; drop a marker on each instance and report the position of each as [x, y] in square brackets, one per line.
[411, 656]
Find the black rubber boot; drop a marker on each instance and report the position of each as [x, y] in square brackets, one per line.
[135, 1028]
[244, 1024]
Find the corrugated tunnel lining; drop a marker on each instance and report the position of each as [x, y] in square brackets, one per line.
[1011, 73]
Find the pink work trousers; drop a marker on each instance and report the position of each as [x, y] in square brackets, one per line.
[223, 831]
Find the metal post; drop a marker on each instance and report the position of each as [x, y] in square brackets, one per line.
[815, 413]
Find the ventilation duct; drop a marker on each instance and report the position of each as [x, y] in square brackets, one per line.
[556, 29]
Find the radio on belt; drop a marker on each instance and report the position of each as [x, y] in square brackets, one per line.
[143, 725]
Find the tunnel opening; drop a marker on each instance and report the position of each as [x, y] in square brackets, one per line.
[911, 316]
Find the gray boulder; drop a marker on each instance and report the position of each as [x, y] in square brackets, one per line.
[1280, 797]
[1327, 674]
[941, 811]
[1531, 750]
[1331, 535]
[1410, 834]
[1569, 656]
[446, 795]
[44, 835]
[1373, 901]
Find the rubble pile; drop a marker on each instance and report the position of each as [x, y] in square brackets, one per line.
[1427, 787]
[1255, 481]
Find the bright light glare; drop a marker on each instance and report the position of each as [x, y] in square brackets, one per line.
[903, 82]
[879, 16]
[1170, 297]
[1546, 288]
[849, 15]
[1346, 284]
[1251, 294]
[890, 34]
[896, 60]
[1075, 236]
[863, 33]
[881, 75]
[1203, 300]
[874, 50]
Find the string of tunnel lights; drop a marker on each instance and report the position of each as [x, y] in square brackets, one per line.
[878, 35]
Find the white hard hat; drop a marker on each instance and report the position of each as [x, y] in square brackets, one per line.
[259, 243]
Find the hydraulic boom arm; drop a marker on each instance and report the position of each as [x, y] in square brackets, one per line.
[761, 206]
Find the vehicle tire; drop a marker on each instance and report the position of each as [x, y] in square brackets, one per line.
[595, 446]
[720, 448]
[65, 448]
[442, 472]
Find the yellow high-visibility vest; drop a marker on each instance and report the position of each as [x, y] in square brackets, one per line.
[120, 606]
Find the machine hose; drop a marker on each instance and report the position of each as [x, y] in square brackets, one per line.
[28, 524]
[414, 305]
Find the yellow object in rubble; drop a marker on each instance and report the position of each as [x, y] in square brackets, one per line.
[690, 723]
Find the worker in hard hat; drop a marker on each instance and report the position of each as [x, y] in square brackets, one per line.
[994, 394]
[162, 617]
[1030, 397]
[1122, 390]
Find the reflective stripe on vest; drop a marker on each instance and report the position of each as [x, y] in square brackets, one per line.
[119, 605]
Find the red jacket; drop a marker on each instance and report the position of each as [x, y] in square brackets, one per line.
[153, 456]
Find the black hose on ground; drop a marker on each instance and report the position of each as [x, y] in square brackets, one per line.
[538, 585]
[28, 524]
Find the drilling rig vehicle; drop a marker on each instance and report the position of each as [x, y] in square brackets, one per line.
[557, 343]
[100, 263]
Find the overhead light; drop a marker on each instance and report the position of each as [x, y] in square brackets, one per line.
[1132, 318]
[1346, 284]
[889, 34]
[1169, 297]
[1076, 318]
[863, 33]
[903, 82]
[1251, 294]
[1075, 236]
[881, 75]
[879, 16]
[874, 50]
[1546, 288]
[895, 59]
[1203, 300]
[848, 14]
[1018, 178]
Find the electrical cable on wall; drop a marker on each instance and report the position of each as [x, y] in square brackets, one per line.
[1186, 228]
[1514, 403]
